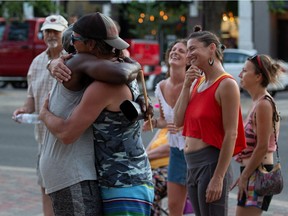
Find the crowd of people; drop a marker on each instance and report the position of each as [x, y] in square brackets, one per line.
[92, 160]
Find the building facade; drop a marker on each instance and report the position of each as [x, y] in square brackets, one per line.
[256, 26]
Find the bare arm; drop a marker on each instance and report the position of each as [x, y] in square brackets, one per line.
[264, 129]
[162, 150]
[28, 107]
[58, 69]
[29, 104]
[228, 96]
[191, 75]
[159, 152]
[85, 113]
[98, 69]
[181, 105]
[159, 122]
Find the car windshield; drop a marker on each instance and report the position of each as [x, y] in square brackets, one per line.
[231, 57]
[2, 27]
[18, 31]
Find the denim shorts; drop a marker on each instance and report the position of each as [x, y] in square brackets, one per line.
[177, 169]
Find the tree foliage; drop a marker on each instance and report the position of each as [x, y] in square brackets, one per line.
[15, 8]
[153, 21]
[277, 6]
[213, 15]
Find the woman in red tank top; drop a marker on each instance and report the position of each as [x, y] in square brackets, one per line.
[209, 110]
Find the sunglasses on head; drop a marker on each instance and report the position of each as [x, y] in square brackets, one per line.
[256, 59]
[76, 38]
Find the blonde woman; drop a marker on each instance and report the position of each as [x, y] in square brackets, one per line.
[167, 92]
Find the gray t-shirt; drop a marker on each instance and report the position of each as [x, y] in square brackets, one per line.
[63, 165]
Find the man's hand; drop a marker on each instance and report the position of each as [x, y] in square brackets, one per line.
[18, 111]
[28, 107]
[59, 70]
[147, 111]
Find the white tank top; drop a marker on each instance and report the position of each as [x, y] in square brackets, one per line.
[175, 140]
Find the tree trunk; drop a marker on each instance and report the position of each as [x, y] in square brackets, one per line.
[213, 11]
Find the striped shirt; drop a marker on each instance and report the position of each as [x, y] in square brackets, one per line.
[39, 84]
[251, 136]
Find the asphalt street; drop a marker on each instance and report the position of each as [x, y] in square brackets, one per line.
[19, 193]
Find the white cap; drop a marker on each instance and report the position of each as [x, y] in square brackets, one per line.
[55, 22]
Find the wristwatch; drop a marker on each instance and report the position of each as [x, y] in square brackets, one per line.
[48, 64]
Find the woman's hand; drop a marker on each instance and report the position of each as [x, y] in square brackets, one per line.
[172, 128]
[214, 189]
[242, 187]
[192, 73]
[147, 126]
[59, 70]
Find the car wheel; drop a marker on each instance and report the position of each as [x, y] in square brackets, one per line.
[3, 84]
[19, 84]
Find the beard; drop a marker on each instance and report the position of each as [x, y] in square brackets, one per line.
[52, 43]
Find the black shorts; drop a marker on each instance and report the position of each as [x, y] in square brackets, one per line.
[81, 199]
[259, 201]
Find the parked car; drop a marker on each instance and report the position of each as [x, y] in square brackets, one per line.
[20, 43]
[147, 53]
[233, 63]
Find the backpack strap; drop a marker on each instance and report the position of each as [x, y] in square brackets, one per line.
[276, 115]
[275, 118]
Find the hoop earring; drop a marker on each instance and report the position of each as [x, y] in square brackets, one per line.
[210, 61]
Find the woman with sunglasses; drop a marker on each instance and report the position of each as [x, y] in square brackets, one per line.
[88, 134]
[258, 72]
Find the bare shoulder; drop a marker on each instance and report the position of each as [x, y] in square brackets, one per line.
[229, 82]
[264, 105]
[228, 91]
[163, 83]
[104, 87]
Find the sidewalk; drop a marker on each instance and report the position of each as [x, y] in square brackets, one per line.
[20, 195]
[19, 192]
